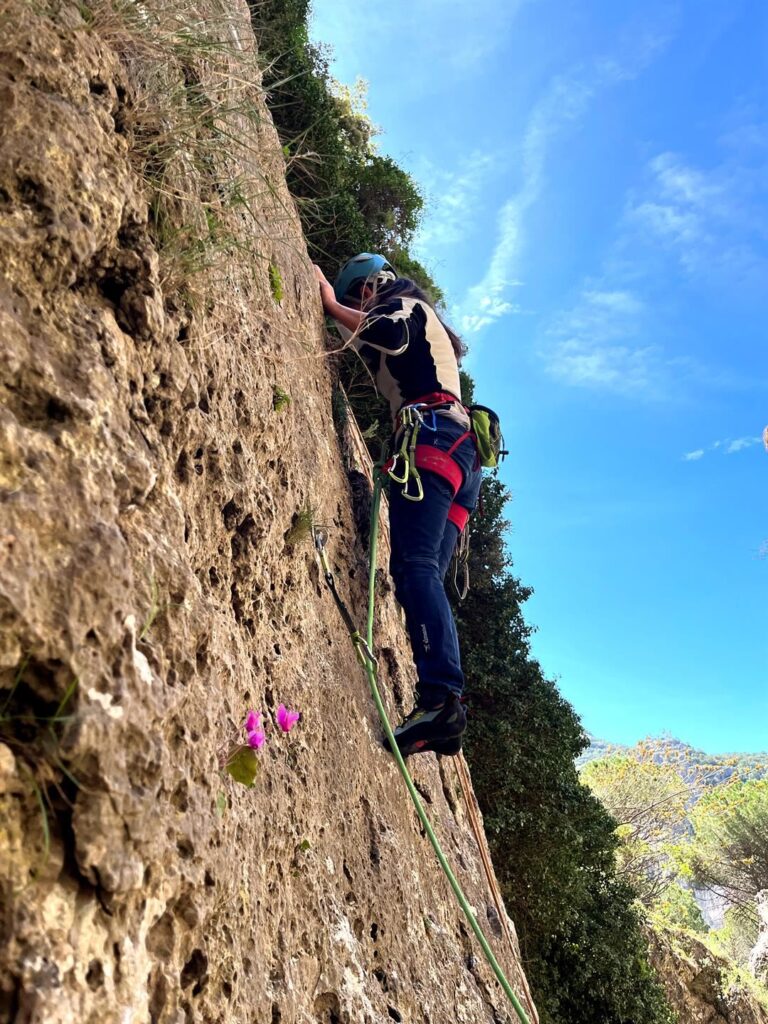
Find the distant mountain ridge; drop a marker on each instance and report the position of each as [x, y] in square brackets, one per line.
[699, 769]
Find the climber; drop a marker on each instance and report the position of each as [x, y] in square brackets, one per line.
[414, 357]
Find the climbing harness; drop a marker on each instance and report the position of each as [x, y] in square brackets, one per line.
[410, 457]
[403, 467]
[364, 651]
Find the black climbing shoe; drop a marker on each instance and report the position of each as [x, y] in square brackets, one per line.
[439, 729]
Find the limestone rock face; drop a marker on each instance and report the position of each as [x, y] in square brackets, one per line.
[697, 985]
[758, 961]
[155, 584]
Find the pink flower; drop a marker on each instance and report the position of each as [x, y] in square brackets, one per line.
[255, 730]
[286, 719]
[256, 738]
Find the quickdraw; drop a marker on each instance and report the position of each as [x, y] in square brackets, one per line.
[412, 420]
[363, 651]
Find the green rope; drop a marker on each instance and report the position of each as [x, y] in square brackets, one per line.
[370, 668]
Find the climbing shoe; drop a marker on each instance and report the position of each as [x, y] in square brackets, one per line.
[438, 729]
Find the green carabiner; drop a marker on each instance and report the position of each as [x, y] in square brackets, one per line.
[402, 453]
[413, 472]
[418, 496]
[391, 473]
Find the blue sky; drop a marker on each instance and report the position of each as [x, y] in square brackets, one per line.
[597, 182]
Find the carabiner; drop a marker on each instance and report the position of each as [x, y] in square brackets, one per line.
[433, 416]
[419, 495]
[392, 472]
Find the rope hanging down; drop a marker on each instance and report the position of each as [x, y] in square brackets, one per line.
[364, 650]
[471, 801]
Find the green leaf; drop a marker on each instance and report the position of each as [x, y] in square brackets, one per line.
[275, 282]
[221, 804]
[243, 766]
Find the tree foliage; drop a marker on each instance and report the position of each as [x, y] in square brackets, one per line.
[738, 935]
[676, 907]
[350, 198]
[728, 851]
[648, 801]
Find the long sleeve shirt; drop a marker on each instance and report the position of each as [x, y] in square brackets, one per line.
[409, 352]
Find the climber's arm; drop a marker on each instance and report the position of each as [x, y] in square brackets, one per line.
[345, 315]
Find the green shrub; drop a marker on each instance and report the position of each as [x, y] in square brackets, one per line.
[350, 198]
[738, 935]
[677, 908]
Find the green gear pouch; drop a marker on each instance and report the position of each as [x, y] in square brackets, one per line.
[487, 430]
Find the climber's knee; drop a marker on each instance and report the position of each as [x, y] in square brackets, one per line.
[408, 572]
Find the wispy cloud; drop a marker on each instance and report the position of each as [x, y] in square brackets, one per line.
[712, 220]
[726, 446]
[489, 299]
[454, 196]
[426, 34]
[713, 224]
[591, 345]
[601, 343]
[564, 104]
[740, 443]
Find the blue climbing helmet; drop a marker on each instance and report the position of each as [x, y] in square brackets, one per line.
[367, 268]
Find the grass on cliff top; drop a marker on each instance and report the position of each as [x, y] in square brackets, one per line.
[194, 115]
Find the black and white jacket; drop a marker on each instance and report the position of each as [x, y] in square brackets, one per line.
[409, 352]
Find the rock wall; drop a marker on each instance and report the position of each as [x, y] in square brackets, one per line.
[156, 581]
[758, 961]
[698, 983]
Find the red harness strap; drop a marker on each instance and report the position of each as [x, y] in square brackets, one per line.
[439, 462]
[434, 398]
[458, 515]
[458, 441]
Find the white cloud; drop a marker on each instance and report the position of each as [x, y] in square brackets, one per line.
[726, 446]
[601, 343]
[712, 221]
[453, 200]
[610, 367]
[740, 443]
[423, 33]
[564, 103]
[590, 344]
[699, 218]
[490, 293]
[489, 308]
[680, 209]
[685, 184]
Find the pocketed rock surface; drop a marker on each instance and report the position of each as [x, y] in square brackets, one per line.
[758, 961]
[698, 984]
[156, 297]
